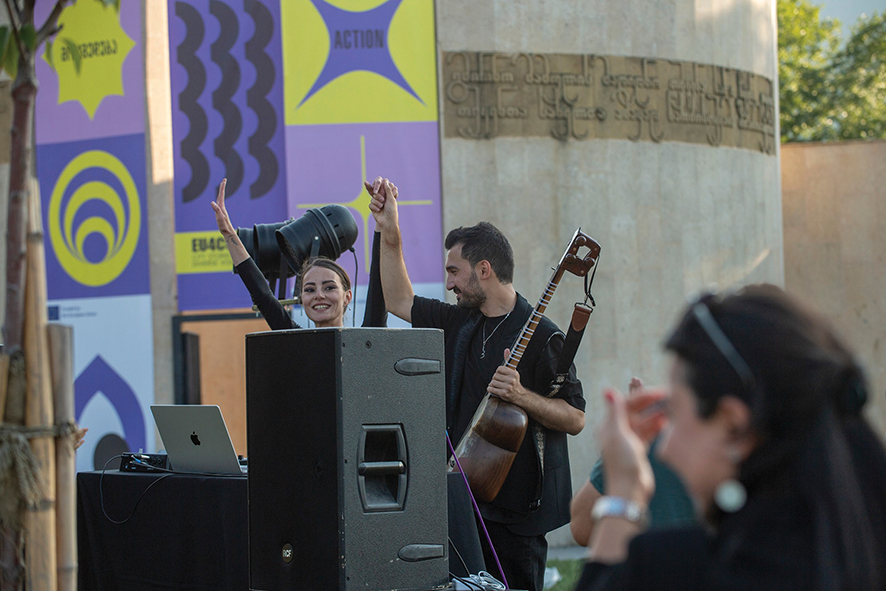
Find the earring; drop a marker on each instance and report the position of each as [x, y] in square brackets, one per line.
[731, 495]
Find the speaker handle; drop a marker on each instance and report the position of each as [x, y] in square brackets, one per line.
[382, 475]
[381, 468]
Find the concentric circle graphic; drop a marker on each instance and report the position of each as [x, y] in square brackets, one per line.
[121, 236]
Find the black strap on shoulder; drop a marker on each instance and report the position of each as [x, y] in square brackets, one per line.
[580, 316]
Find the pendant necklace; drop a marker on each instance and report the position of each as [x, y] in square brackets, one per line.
[485, 338]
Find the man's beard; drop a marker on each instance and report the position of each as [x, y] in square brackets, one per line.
[472, 296]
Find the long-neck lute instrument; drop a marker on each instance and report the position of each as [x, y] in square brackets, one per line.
[488, 447]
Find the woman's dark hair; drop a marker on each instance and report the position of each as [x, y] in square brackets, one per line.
[805, 397]
[326, 264]
[484, 242]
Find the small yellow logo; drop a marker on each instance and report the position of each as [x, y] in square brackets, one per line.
[94, 30]
[121, 237]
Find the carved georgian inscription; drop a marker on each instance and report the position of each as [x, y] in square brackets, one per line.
[578, 97]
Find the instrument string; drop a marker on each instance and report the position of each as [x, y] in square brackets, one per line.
[529, 330]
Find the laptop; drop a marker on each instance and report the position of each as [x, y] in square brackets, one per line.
[196, 439]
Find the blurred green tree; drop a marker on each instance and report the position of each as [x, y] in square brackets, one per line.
[830, 90]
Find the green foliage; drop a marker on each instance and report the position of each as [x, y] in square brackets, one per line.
[9, 59]
[805, 45]
[860, 70]
[4, 39]
[12, 42]
[830, 90]
[570, 570]
[72, 48]
[28, 36]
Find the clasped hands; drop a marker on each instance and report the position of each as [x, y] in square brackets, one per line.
[380, 189]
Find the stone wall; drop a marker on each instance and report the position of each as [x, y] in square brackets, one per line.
[834, 197]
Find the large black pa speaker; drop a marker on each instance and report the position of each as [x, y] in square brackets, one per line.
[347, 460]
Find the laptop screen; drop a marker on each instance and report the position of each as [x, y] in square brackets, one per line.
[196, 438]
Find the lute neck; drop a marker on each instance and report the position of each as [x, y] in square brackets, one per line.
[529, 328]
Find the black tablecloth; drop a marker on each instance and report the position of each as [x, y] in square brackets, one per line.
[186, 532]
[190, 532]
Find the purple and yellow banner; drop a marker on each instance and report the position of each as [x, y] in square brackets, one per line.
[296, 103]
[361, 102]
[359, 61]
[107, 97]
[331, 161]
[95, 217]
[90, 136]
[227, 121]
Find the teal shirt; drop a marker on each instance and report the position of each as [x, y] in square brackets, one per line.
[670, 505]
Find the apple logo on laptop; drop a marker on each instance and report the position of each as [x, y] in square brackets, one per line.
[194, 439]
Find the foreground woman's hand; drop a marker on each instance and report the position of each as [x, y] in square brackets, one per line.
[626, 466]
[628, 475]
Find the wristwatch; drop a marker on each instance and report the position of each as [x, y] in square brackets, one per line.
[618, 507]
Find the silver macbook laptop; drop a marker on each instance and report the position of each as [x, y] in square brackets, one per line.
[196, 438]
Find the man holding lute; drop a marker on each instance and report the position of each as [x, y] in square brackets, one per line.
[496, 344]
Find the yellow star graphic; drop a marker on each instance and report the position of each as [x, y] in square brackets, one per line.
[93, 30]
[361, 203]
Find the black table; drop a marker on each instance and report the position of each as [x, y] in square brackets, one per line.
[190, 532]
[186, 532]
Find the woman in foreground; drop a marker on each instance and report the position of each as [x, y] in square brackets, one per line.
[325, 285]
[765, 429]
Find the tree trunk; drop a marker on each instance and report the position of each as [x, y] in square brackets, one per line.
[24, 93]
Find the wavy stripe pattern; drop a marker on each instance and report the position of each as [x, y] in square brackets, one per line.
[265, 76]
[221, 96]
[190, 146]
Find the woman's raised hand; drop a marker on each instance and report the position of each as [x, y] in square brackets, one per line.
[236, 249]
[626, 466]
[221, 214]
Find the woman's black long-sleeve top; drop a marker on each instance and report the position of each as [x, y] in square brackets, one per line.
[768, 545]
[270, 307]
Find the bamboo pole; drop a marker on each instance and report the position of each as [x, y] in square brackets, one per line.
[61, 356]
[40, 563]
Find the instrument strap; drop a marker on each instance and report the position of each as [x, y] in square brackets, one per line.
[580, 316]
